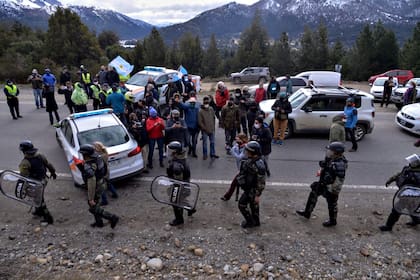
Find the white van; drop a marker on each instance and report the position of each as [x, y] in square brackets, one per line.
[322, 78]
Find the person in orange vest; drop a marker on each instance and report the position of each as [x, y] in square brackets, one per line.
[11, 91]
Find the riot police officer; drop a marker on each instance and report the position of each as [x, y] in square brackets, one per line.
[251, 179]
[34, 166]
[94, 170]
[331, 180]
[409, 175]
[178, 169]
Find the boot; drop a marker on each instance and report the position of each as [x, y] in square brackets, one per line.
[385, 228]
[414, 221]
[304, 214]
[48, 219]
[390, 222]
[176, 222]
[114, 220]
[332, 211]
[248, 223]
[310, 205]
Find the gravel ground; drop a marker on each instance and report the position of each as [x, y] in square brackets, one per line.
[211, 244]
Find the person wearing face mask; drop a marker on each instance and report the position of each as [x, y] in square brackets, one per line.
[240, 102]
[350, 112]
[282, 109]
[191, 109]
[262, 134]
[222, 97]
[207, 122]
[331, 180]
[229, 120]
[176, 130]
[11, 91]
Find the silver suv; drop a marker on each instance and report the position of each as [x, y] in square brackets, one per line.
[314, 108]
[251, 75]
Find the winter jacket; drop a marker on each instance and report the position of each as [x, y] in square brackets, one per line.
[230, 117]
[117, 101]
[282, 109]
[222, 97]
[79, 96]
[273, 88]
[191, 114]
[155, 127]
[206, 119]
[260, 95]
[337, 131]
[264, 138]
[351, 116]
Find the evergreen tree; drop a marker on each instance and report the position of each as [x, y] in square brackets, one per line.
[172, 57]
[68, 40]
[281, 61]
[211, 60]
[307, 58]
[336, 54]
[253, 45]
[107, 38]
[321, 47]
[410, 53]
[190, 53]
[137, 57]
[385, 49]
[362, 55]
[154, 49]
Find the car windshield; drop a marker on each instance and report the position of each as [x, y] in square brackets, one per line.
[109, 136]
[379, 82]
[297, 98]
[138, 79]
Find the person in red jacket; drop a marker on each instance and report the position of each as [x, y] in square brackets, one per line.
[260, 93]
[155, 127]
[222, 96]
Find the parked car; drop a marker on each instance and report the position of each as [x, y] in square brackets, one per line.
[402, 75]
[322, 78]
[314, 108]
[125, 157]
[160, 75]
[408, 118]
[398, 94]
[251, 75]
[297, 82]
[377, 89]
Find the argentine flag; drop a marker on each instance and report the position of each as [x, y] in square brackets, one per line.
[122, 67]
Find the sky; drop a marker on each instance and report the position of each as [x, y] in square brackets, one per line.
[157, 12]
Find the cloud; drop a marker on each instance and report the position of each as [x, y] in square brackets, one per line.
[157, 12]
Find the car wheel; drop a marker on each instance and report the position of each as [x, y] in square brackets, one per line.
[289, 131]
[237, 80]
[398, 105]
[360, 132]
[261, 80]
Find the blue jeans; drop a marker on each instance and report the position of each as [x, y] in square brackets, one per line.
[211, 138]
[152, 143]
[38, 97]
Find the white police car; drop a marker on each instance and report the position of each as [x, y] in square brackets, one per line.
[125, 157]
[161, 76]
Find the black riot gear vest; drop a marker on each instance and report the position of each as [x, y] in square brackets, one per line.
[38, 170]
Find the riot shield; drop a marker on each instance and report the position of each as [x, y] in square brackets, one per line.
[22, 189]
[173, 192]
[407, 201]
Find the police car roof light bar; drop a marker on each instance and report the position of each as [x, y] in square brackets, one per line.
[154, 68]
[91, 113]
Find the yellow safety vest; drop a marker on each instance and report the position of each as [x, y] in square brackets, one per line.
[86, 78]
[95, 90]
[12, 90]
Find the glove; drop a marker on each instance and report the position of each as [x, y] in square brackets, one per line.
[388, 183]
[54, 176]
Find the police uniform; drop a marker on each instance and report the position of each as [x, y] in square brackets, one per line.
[179, 169]
[409, 175]
[94, 171]
[251, 179]
[35, 166]
[331, 180]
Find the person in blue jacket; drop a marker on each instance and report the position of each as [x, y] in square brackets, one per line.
[191, 108]
[117, 101]
[350, 112]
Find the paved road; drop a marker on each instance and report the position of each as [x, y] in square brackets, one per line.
[380, 154]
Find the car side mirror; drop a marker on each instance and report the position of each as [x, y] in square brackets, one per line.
[308, 109]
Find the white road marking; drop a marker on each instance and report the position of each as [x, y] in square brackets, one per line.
[268, 183]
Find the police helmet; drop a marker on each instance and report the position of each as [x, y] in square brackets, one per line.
[26, 146]
[87, 150]
[253, 147]
[413, 160]
[175, 145]
[336, 147]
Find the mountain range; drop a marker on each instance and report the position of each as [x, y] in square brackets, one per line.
[343, 18]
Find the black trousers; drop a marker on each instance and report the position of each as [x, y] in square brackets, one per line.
[395, 216]
[350, 135]
[13, 104]
[57, 117]
[192, 139]
[385, 99]
[244, 125]
[249, 209]
[331, 198]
